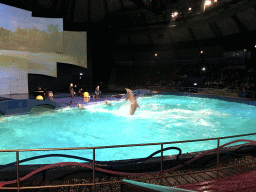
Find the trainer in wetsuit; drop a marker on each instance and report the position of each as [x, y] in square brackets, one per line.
[97, 92]
[133, 101]
[80, 94]
[72, 92]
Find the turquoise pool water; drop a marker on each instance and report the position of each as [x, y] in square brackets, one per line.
[161, 118]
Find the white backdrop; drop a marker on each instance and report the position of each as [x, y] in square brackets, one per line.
[13, 81]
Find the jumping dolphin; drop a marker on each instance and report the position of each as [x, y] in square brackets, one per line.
[133, 101]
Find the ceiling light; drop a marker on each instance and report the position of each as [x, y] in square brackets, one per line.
[175, 14]
[207, 3]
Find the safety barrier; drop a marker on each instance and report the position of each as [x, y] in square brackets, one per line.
[92, 164]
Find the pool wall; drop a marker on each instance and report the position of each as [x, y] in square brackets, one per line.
[229, 99]
[23, 106]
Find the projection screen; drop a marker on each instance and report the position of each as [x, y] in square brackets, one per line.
[35, 45]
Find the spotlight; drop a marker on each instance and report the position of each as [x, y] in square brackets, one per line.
[155, 54]
[207, 2]
[203, 69]
[202, 52]
[175, 14]
[81, 73]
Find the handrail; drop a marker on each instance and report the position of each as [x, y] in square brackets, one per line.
[94, 168]
[130, 145]
[113, 172]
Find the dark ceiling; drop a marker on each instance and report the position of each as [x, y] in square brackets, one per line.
[135, 30]
[115, 13]
[140, 23]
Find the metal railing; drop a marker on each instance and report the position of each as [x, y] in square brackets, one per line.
[93, 184]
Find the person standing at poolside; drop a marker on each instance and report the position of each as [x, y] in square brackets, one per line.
[133, 101]
[72, 92]
[97, 92]
[45, 93]
[80, 94]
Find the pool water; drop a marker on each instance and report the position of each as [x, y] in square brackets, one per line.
[160, 118]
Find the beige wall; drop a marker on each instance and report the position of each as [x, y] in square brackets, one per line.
[65, 47]
[75, 45]
[13, 75]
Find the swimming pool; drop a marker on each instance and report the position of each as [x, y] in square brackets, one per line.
[160, 118]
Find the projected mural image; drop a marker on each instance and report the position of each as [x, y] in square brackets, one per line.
[41, 41]
[32, 40]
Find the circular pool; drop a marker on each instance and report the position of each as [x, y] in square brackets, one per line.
[160, 118]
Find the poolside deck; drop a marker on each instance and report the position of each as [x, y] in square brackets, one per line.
[187, 178]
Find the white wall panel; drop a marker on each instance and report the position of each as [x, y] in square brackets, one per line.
[19, 83]
[4, 85]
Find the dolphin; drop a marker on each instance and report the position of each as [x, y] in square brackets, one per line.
[133, 101]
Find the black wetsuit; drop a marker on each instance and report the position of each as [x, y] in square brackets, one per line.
[72, 92]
